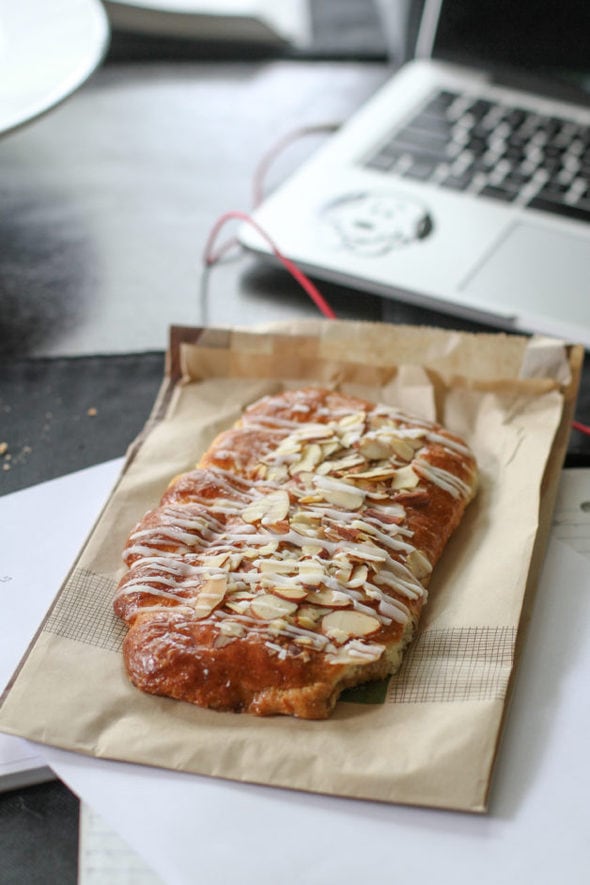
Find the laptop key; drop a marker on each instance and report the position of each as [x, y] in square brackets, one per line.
[383, 161]
[458, 182]
[578, 212]
[420, 169]
[498, 192]
[441, 101]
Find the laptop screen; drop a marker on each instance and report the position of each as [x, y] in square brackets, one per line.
[551, 38]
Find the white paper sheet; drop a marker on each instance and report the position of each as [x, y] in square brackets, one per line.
[190, 828]
[43, 527]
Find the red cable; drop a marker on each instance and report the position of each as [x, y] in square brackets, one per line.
[583, 428]
[210, 257]
[278, 148]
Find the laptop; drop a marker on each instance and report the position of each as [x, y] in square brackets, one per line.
[463, 185]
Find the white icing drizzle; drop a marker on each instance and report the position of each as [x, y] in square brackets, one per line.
[442, 478]
[211, 526]
[448, 443]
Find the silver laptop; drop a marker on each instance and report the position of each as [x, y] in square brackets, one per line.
[456, 187]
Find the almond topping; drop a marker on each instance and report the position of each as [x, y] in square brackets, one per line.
[278, 566]
[341, 494]
[358, 577]
[342, 569]
[331, 598]
[292, 591]
[356, 652]
[346, 463]
[315, 431]
[268, 607]
[312, 456]
[269, 509]
[215, 561]
[210, 595]
[402, 448]
[240, 607]
[343, 625]
[419, 564]
[308, 616]
[278, 473]
[405, 478]
[311, 572]
[375, 449]
[352, 419]
[231, 628]
[376, 473]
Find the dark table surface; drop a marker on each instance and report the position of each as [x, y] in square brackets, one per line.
[108, 201]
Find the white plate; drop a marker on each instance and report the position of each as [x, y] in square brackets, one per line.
[48, 48]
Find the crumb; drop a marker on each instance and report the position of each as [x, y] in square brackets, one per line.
[91, 412]
[3, 448]
[6, 467]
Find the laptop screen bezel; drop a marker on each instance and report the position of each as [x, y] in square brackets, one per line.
[428, 27]
[541, 83]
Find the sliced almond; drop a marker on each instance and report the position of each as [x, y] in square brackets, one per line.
[330, 448]
[343, 625]
[311, 457]
[255, 552]
[405, 478]
[366, 552]
[376, 494]
[231, 628]
[340, 493]
[305, 522]
[277, 473]
[215, 561]
[268, 509]
[375, 474]
[356, 652]
[351, 437]
[288, 446]
[345, 463]
[221, 641]
[311, 499]
[210, 595]
[311, 549]
[277, 566]
[311, 572]
[402, 448]
[331, 598]
[268, 607]
[294, 592]
[353, 419]
[419, 564]
[309, 616]
[277, 626]
[341, 568]
[358, 577]
[314, 431]
[375, 449]
[240, 606]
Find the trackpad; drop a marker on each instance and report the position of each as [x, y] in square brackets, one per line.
[534, 271]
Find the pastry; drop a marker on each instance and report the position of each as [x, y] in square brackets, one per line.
[294, 561]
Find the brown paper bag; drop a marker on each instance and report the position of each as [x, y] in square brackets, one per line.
[427, 736]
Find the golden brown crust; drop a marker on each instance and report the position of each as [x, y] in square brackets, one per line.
[293, 562]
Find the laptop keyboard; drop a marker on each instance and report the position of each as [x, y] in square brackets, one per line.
[501, 152]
